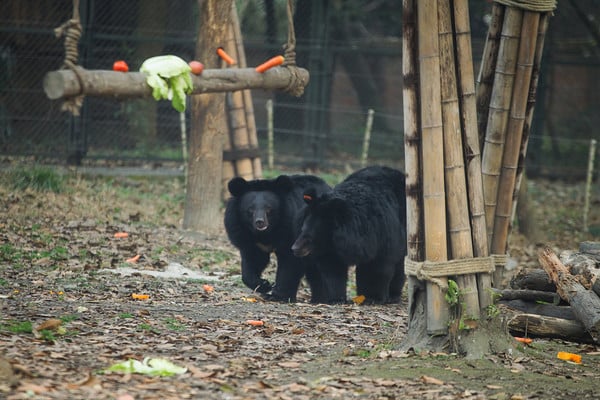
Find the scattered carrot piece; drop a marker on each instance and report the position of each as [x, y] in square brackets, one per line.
[523, 340]
[255, 322]
[133, 259]
[140, 296]
[250, 299]
[226, 57]
[563, 355]
[120, 235]
[359, 299]
[270, 63]
[208, 288]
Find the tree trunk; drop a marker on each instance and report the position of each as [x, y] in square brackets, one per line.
[208, 127]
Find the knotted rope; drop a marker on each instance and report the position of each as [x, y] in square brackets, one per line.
[432, 271]
[295, 87]
[530, 5]
[71, 30]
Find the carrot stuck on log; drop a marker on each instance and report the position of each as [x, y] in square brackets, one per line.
[225, 57]
[270, 63]
[255, 322]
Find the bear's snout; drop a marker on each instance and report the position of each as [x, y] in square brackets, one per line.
[261, 224]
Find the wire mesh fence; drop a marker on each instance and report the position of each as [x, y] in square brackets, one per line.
[352, 50]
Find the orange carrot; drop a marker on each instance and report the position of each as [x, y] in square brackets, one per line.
[140, 296]
[120, 235]
[524, 340]
[208, 288]
[255, 322]
[563, 355]
[133, 259]
[273, 62]
[225, 56]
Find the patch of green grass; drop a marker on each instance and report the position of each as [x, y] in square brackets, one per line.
[3, 282]
[68, 318]
[10, 253]
[17, 326]
[37, 178]
[149, 328]
[125, 315]
[174, 325]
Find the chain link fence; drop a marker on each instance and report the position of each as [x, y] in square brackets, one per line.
[352, 50]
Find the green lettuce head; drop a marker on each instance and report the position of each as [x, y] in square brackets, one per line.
[169, 77]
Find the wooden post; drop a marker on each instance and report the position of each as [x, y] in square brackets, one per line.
[367, 138]
[434, 196]
[270, 138]
[588, 183]
[412, 155]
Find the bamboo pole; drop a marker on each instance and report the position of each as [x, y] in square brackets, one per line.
[535, 74]
[498, 113]
[367, 138]
[459, 228]
[246, 95]
[472, 152]
[434, 207]
[485, 79]
[412, 152]
[270, 138]
[514, 132]
[588, 183]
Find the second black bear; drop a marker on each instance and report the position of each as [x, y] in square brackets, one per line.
[361, 222]
[259, 220]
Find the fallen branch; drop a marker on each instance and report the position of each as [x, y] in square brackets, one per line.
[528, 295]
[547, 310]
[549, 327]
[585, 303]
[533, 279]
[66, 83]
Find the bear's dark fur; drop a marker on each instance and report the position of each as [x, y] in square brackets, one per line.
[361, 222]
[259, 220]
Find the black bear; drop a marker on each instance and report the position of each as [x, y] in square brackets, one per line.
[259, 220]
[361, 222]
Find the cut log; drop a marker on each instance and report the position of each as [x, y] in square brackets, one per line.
[549, 327]
[65, 83]
[528, 295]
[548, 310]
[585, 303]
[533, 279]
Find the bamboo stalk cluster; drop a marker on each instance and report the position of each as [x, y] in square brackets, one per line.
[464, 147]
[506, 89]
[240, 117]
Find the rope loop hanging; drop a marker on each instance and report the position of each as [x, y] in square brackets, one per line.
[71, 31]
[295, 86]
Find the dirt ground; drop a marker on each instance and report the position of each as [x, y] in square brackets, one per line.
[58, 265]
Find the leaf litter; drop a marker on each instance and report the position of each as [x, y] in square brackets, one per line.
[197, 317]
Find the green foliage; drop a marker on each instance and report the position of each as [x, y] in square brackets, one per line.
[453, 294]
[36, 178]
[17, 326]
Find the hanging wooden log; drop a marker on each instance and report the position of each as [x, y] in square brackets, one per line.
[459, 227]
[66, 83]
[434, 199]
[585, 303]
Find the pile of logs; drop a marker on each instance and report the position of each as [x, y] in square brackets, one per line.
[560, 300]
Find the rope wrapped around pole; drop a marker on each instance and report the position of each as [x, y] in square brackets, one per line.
[530, 5]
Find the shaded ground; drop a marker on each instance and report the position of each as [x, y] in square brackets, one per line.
[55, 250]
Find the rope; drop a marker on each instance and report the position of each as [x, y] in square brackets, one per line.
[432, 271]
[71, 30]
[295, 87]
[530, 5]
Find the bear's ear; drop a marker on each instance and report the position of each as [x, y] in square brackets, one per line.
[237, 186]
[310, 195]
[284, 183]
